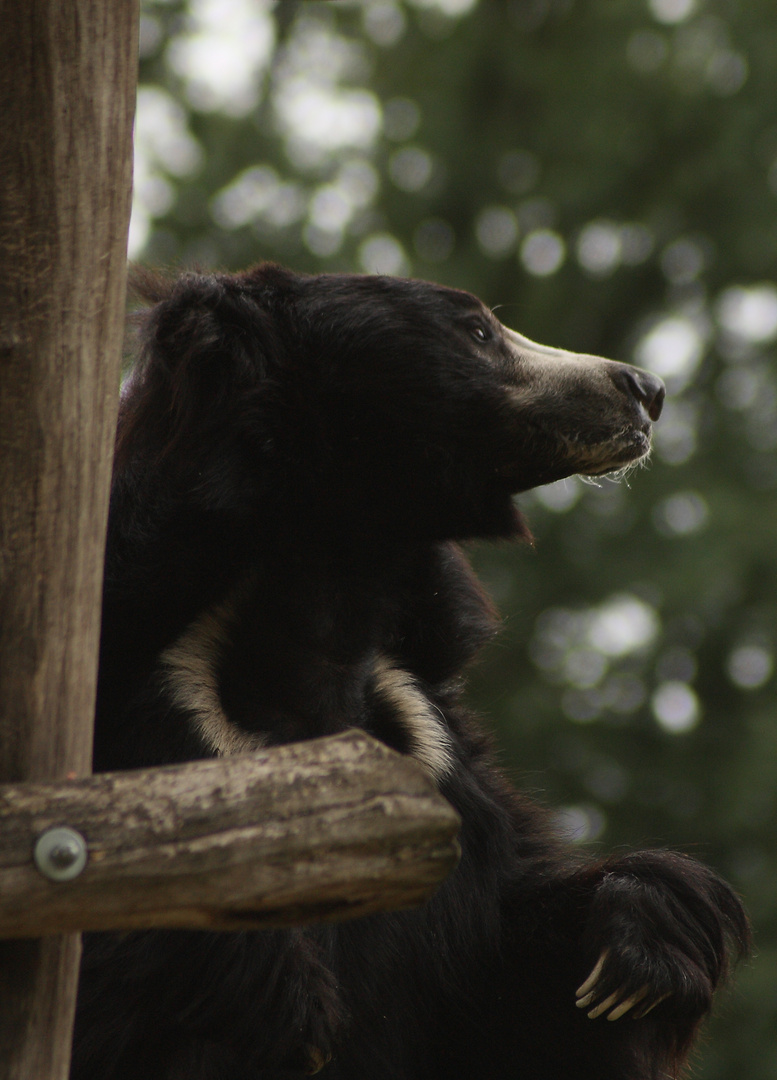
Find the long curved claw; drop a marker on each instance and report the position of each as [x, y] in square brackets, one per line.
[603, 1006]
[629, 1003]
[588, 999]
[650, 1007]
[613, 1006]
[586, 987]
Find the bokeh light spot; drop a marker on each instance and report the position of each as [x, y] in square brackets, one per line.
[622, 625]
[384, 22]
[672, 11]
[496, 229]
[411, 168]
[543, 252]
[673, 349]
[750, 666]
[581, 824]
[223, 52]
[559, 496]
[382, 253]
[676, 707]
[749, 313]
[599, 248]
[681, 514]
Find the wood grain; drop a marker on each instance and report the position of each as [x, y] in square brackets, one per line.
[325, 829]
[67, 91]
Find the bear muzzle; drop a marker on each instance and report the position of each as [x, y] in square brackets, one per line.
[591, 415]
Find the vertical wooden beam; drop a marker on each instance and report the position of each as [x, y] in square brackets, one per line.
[67, 91]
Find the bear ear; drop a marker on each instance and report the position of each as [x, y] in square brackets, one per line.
[203, 328]
[205, 344]
[147, 286]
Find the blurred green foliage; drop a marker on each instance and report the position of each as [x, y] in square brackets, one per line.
[605, 172]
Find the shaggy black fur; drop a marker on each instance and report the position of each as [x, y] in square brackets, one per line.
[296, 457]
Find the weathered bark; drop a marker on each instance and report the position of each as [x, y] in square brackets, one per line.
[325, 829]
[66, 101]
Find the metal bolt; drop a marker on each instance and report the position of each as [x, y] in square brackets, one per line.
[60, 853]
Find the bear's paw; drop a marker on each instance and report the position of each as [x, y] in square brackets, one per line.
[664, 929]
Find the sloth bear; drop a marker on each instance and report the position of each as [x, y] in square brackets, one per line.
[296, 458]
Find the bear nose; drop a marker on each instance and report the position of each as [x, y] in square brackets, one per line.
[648, 389]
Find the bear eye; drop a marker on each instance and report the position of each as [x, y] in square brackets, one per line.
[481, 333]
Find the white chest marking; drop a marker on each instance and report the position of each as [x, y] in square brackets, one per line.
[425, 727]
[190, 667]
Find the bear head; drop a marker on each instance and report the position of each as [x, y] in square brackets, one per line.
[364, 404]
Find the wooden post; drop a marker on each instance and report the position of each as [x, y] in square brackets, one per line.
[325, 829]
[67, 90]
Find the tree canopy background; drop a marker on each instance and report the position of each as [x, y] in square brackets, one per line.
[605, 173]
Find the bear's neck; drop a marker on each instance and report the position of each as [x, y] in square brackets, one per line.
[290, 625]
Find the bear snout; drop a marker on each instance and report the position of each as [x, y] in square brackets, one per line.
[645, 388]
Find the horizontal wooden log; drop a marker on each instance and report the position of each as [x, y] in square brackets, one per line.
[326, 829]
